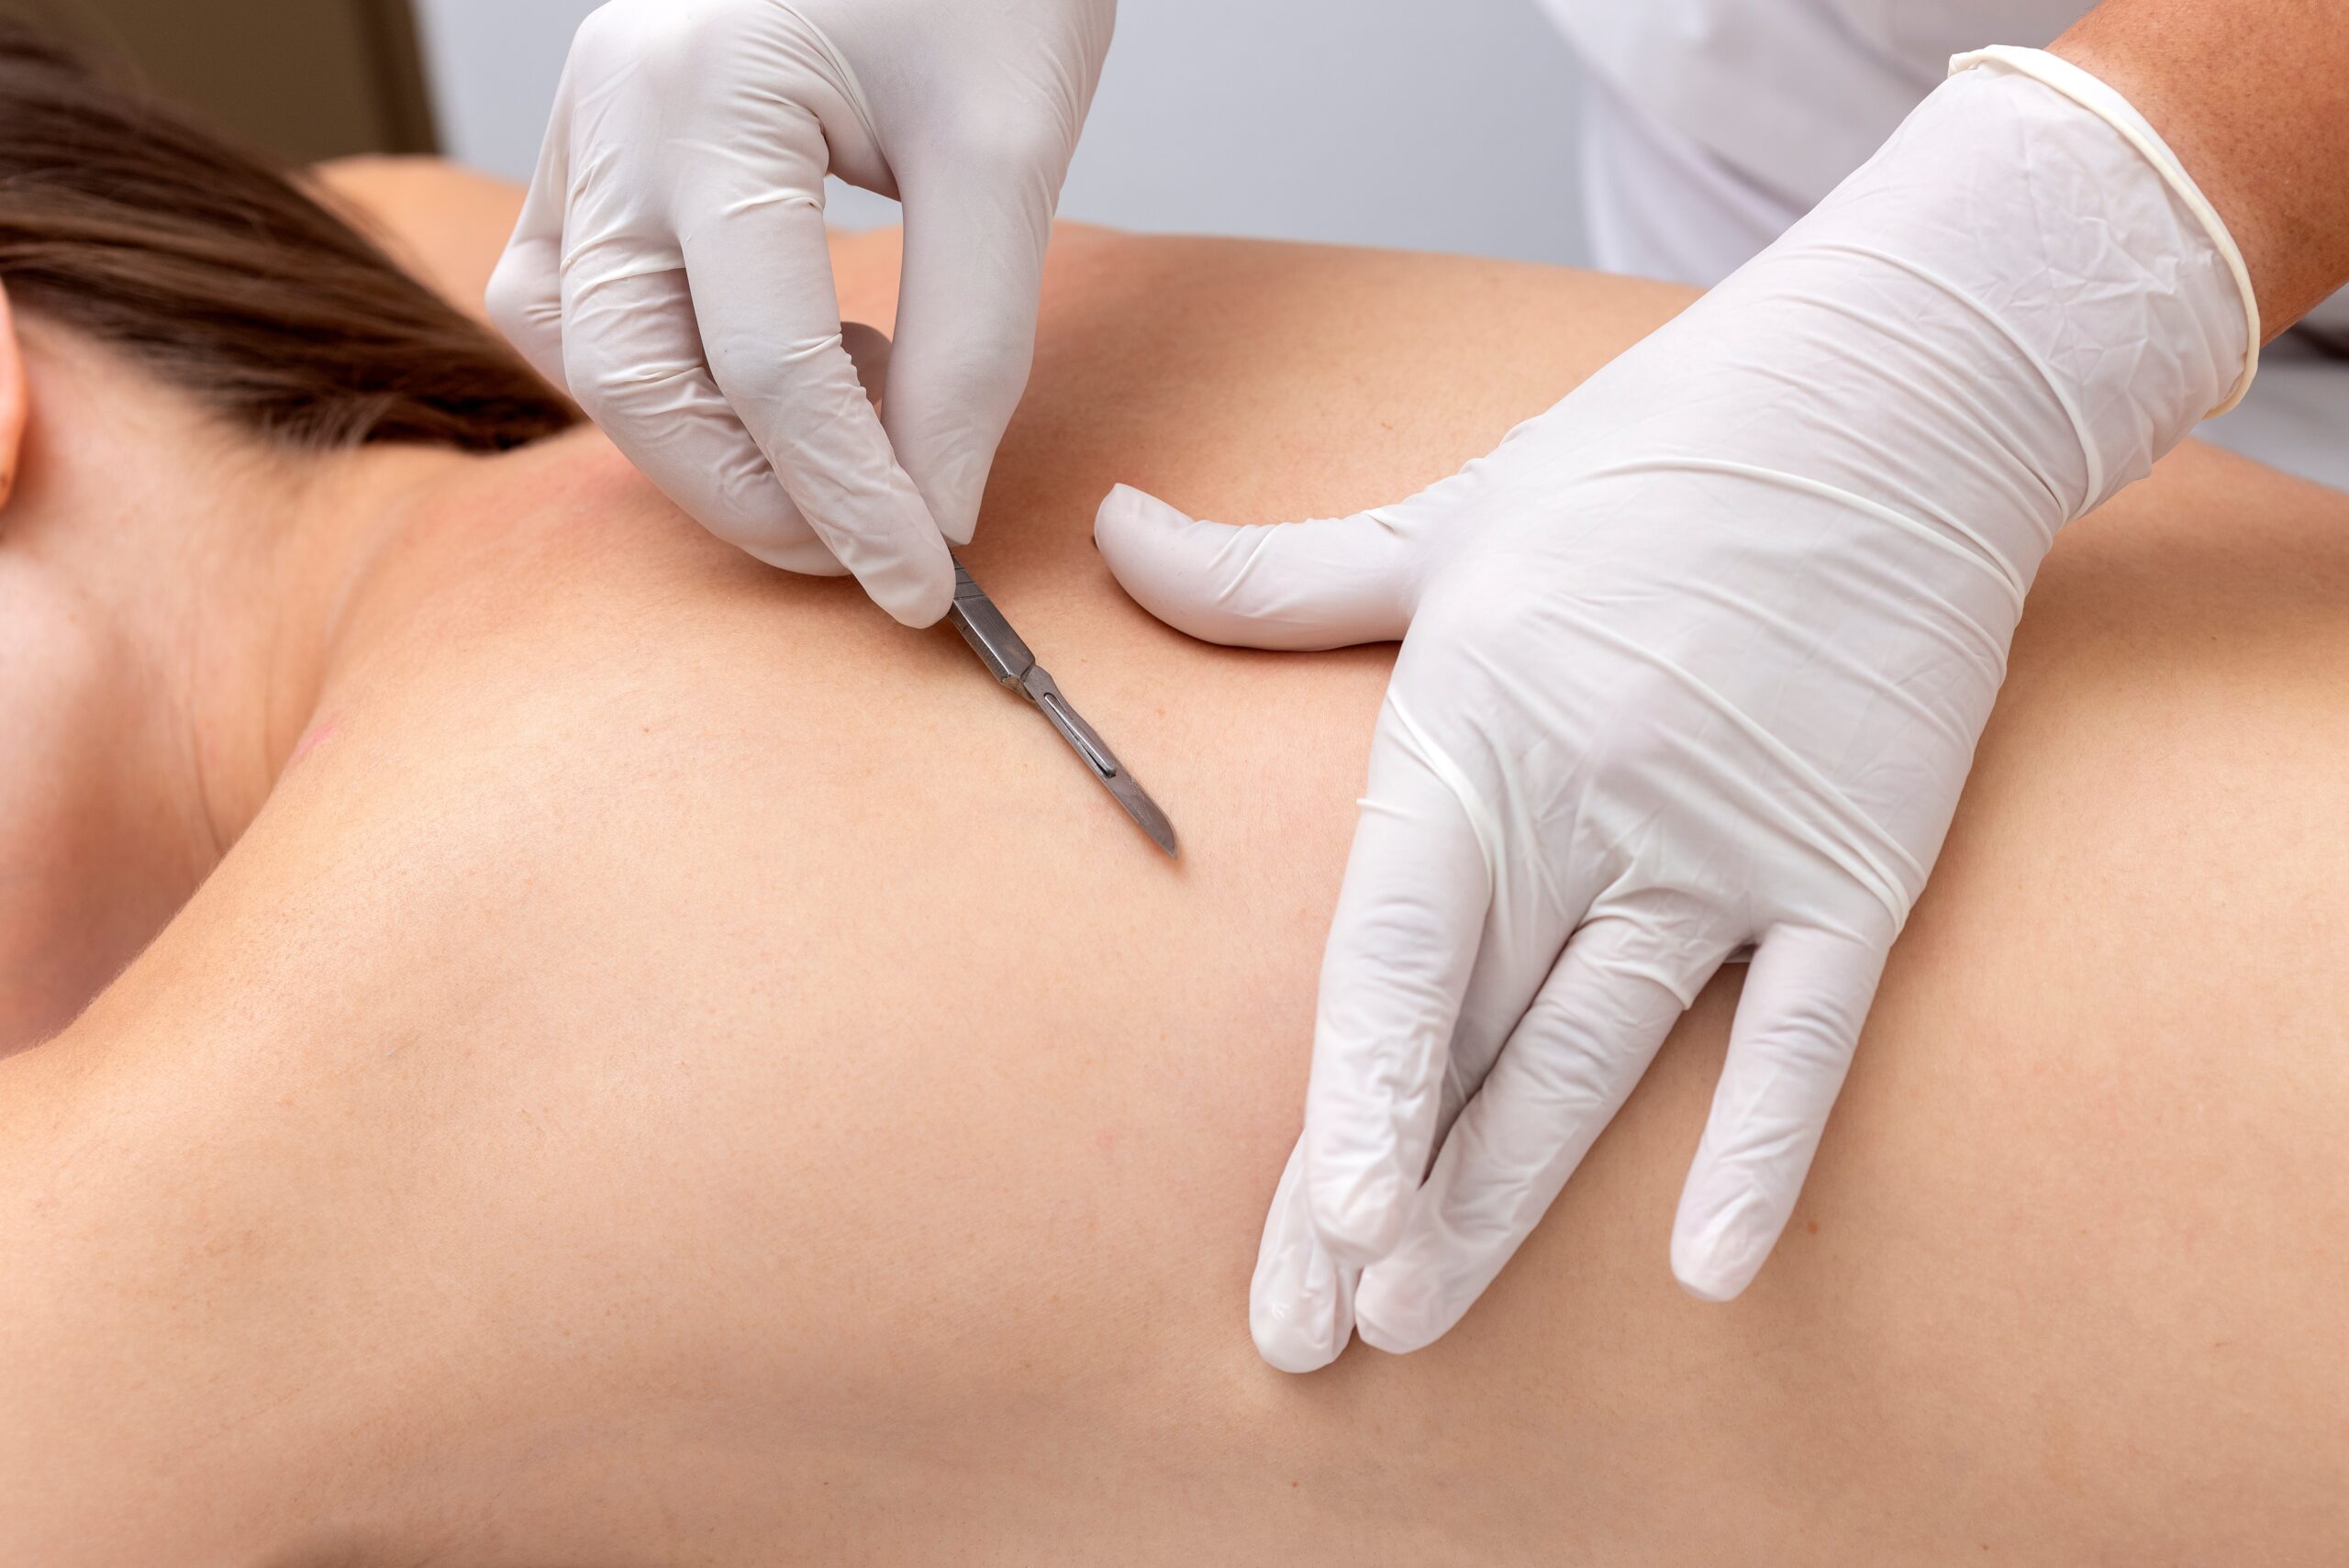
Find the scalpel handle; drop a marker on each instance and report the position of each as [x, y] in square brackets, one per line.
[990, 636]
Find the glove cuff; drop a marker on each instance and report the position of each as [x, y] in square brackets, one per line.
[2101, 100]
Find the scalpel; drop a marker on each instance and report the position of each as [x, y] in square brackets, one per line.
[1009, 659]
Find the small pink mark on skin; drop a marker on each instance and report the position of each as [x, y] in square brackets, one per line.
[1106, 1140]
[319, 734]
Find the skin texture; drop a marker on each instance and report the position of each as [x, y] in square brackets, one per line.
[680, 1069]
[165, 590]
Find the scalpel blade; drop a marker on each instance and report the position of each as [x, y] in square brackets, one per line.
[1086, 742]
[1008, 659]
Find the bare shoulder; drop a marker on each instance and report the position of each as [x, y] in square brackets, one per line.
[141, 1394]
[233, 1191]
[389, 183]
[445, 223]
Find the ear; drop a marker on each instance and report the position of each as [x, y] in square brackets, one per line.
[13, 400]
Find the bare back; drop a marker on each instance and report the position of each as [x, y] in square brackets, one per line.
[683, 1071]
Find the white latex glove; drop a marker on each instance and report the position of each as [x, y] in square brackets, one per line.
[1694, 660]
[671, 271]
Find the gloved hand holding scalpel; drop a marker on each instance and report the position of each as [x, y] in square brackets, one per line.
[670, 269]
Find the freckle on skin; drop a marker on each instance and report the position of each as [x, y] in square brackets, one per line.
[1812, 1225]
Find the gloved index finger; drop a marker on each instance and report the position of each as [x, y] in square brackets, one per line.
[525, 297]
[1402, 946]
[760, 270]
[976, 233]
[1595, 1024]
[1300, 1300]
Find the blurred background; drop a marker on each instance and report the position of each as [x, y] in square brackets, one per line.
[1442, 125]
[1434, 124]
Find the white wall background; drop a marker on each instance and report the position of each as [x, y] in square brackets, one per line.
[1438, 125]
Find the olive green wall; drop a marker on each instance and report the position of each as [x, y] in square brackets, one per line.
[311, 78]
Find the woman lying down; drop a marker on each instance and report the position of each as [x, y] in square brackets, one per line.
[605, 1053]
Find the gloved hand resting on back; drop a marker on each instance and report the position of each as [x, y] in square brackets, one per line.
[1694, 660]
[670, 269]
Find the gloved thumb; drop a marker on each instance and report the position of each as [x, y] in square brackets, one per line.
[1325, 583]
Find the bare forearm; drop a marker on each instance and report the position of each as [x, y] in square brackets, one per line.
[2254, 97]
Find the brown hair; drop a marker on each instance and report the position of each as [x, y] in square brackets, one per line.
[126, 219]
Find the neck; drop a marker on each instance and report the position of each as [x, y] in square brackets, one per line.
[272, 568]
[218, 567]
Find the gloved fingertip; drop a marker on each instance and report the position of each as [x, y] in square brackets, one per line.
[953, 479]
[1151, 550]
[1298, 1308]
[806, 557]
[1400, 1309]
[1706, 1286]
[917, 593]
[1295, 1345]
[927, 607]
[956, 502]
[1128, 516]
[1717, 1256]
